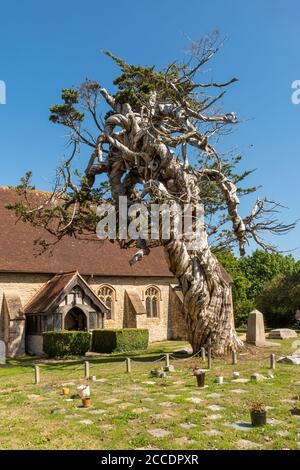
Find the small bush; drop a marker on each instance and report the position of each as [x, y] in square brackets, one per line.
[66, 343]
[119, 340]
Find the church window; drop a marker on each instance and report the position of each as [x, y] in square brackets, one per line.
[107, 295]
[152, 302]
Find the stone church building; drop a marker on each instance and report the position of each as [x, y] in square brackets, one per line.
[82, 285]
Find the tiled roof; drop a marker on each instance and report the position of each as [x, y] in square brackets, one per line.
[47, 294]
[19, 254]
[56, 289]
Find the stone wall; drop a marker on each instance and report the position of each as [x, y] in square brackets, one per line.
[12, 323]
[124, 317]
[2, 319]
[25, 284]
[168, 325]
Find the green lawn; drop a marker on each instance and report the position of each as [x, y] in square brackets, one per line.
[130, 410]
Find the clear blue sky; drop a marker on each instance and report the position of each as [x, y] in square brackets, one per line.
[46, 46]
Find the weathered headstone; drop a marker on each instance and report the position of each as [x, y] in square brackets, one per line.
[282, 333]
[2, 352]
[256, 329]
[159, 432]
[257, 377]
[294, 360]
[184, 351]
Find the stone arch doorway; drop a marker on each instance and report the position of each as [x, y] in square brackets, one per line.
[75, 320]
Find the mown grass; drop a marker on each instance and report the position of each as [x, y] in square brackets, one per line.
[130, 406]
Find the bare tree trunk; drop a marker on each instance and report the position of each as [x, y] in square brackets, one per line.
[207, 299]
[156, 120]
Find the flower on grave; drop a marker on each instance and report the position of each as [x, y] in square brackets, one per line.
[84, 391]
[258, 407]
[197, 370]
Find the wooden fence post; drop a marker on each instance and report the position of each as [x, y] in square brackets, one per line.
[37, 375]
[128, 365]
[209, 361]
[203, 354]
[86, 369]
[234, 358]
[272, 361]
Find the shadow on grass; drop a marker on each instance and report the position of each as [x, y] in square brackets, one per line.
[155, 352]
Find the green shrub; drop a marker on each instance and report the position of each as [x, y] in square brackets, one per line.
[66, 343]
[280, 299]
[119, 340]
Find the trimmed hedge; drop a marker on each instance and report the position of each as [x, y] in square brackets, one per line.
[66, 343]
[119, 340]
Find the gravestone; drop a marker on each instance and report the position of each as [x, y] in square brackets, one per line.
[282, 333]
[2, 352]
[256, 329]
[290, 360]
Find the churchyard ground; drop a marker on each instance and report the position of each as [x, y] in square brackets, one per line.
[136, 411]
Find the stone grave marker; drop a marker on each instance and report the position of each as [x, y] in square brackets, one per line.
[159, 432]
[86, 421]
[215, 407]
[188, 425]
[256, 329]
[211, 432]
[282, 333]
[2, 352]
[245, 444]
[294, 360]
